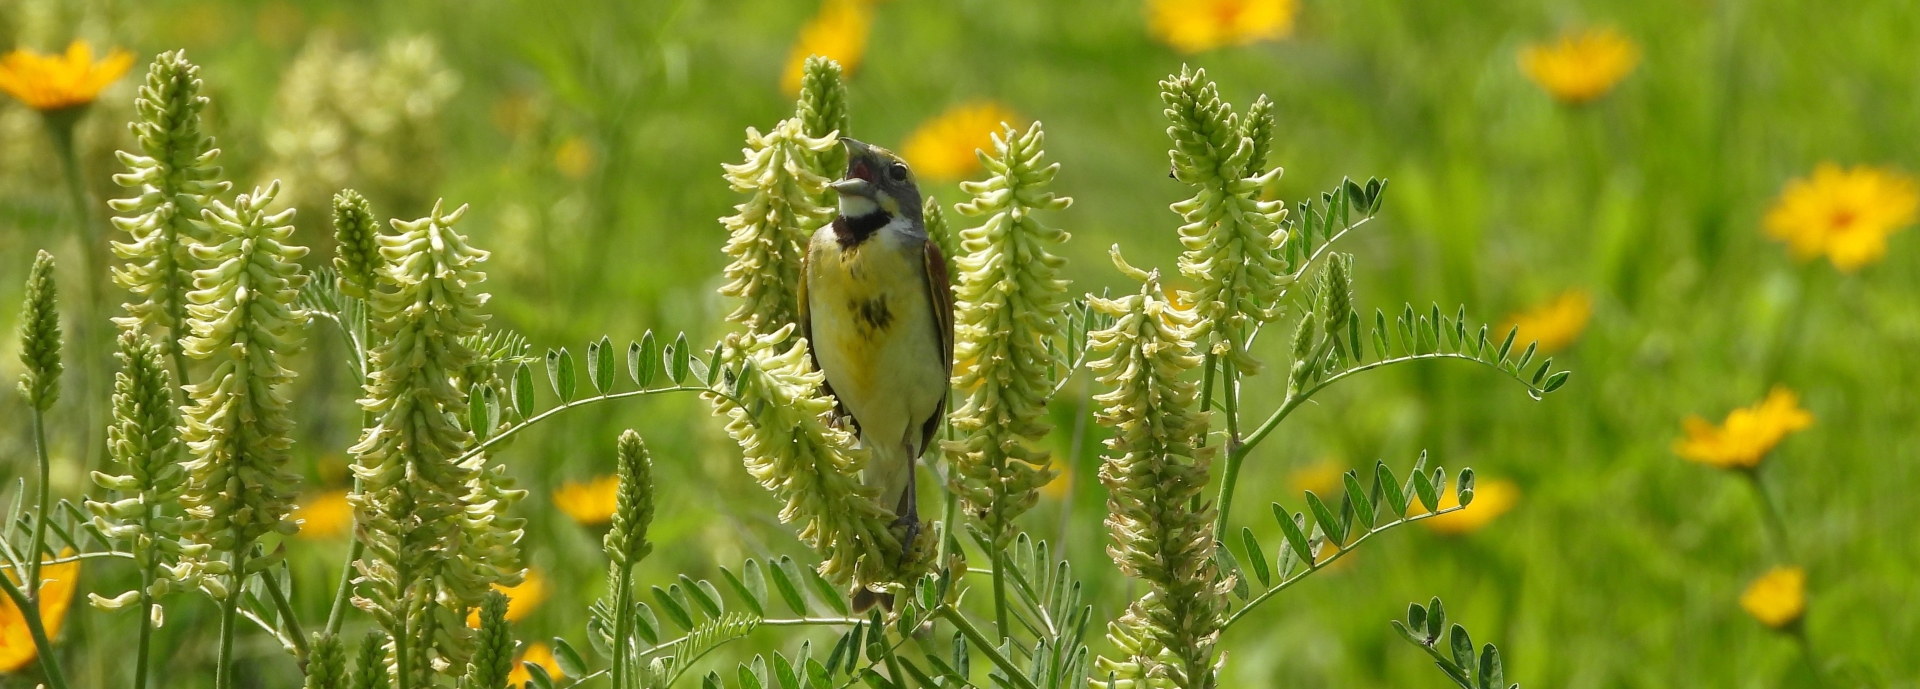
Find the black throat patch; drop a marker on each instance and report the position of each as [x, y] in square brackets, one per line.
[852, 231]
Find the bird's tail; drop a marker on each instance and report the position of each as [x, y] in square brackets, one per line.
[889, 468]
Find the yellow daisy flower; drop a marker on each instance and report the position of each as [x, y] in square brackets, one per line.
[1845, 215]
[1581, 66]
[838, 32]
[591, 503]
[1194, 26]
[56, 593]
[1490, 500]
[1057, 488]
[324, 516]
[1747, 435]
[1778, 598]
[944, 148]
[521, 600]
[1322, 477]
[57, 82]
[539, 654]
[1554, 324]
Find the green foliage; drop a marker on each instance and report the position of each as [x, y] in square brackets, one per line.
[1008, 301]
[327, 663]
[1457, 660]
[40, 337]
[174, 179]
[245, 325]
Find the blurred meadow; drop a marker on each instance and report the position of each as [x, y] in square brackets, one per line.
[1664, 199]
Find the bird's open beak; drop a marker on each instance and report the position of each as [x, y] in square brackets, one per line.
[860, 170]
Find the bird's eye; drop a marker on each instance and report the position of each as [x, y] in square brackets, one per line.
[898, 171]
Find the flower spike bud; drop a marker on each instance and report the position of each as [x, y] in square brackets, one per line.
[1155, 470]
[144, 440]
[174, 177]
[326, 663]
[626, 541]
[40, 336]
[370, 662]
[493, 650]
[245, 323]
[942, 233]
[822, 111]
[1259, 132]
[1232, 238]
[1009, 302]
[783, 425]
[354, 232]
[768, 233]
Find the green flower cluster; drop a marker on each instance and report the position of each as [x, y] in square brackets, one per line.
[785, 175]
[40, 336]
[355, 233]
[143, 439]
[174, 179]
[493, 654]
[1155, 471]
[245, 325]
[782, 424]
[1232, 238]
[436, 531]
[1008, 303]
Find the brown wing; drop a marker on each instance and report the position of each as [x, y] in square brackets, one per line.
[940, 293]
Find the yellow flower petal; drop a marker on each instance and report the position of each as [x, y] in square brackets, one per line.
[56, 82]
[1554, 324]
[591, 503]
[539, 654]
[838, 32]
[1778, 598]
[1843, 214]
[1490, 500]
[56, 594]
[1322, 477]
[1580, 66]
[521, 600]
[324, 516]
[1193, 26]
[1747, 435]
[945, 147]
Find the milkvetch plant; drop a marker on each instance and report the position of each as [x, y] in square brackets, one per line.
[201, 496]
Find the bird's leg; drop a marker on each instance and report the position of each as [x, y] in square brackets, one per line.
[909, 511]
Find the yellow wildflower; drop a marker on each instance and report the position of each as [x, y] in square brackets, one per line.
[57, 82]
[1747, 435]
[1778, 598]
[1554, 324]
[1193, 26]
[56, 592]
[1845, 215]
[324, 516]
[591, 503]
[1061, 483]
[945, 147]
[1581, 66]
[539, 654]
[838, 32]
[521, 600]
[574, 158]
[1322, 477]
[1490, 500]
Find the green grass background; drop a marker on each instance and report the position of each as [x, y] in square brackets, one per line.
[1620, 566]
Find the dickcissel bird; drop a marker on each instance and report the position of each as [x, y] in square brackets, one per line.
[876, 306]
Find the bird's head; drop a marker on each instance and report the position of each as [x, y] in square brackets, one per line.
[877, 182]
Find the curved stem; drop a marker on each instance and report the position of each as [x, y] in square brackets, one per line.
[1769, 515]
[622, 625]
[1318, 565]
[30, 612]
[146, 631]
[287, 616]
[542, 416]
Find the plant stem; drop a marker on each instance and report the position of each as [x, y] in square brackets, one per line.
[287, 617]
[146, 630]
[41, 496]
[991, 650]
[229, 618]
[337, 613]
[1769, 516]
[30, 612]
[1317, 565]
[999, 584]
[622, 625]
[60, 125]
